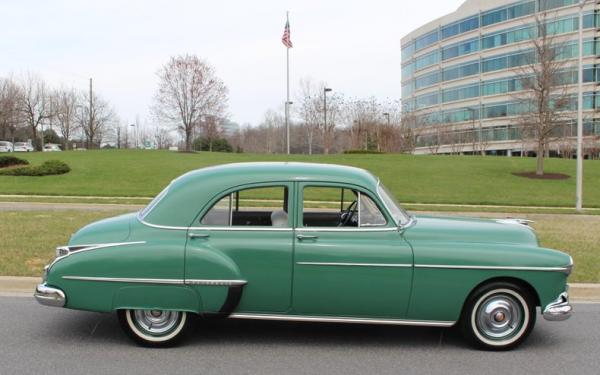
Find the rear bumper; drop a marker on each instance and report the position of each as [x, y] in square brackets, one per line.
[559, 309]
[49, 296]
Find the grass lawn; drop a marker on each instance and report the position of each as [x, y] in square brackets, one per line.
[30, 237]
[413, 179]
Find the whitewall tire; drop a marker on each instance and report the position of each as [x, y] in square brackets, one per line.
[155, 328]
[498, 316]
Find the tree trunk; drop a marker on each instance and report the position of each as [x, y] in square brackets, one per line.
[188, 139]
[540, 159]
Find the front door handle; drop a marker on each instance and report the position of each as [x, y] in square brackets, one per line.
[197, 235]
[301, 237]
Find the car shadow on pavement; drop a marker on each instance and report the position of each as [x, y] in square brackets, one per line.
[78, 326]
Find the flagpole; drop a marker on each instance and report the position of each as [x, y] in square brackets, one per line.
[287, 100]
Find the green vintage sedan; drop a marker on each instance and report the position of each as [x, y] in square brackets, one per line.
[305, 242]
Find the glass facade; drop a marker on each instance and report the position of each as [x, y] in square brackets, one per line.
[428, 66]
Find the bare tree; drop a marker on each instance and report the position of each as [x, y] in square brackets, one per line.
[188, 89]
[95, 116]
[162, 137]
[272, 128]
[210, 129]
[309, 110]
[34, 103]
[545, 96]
[9, 108]
[66, 101]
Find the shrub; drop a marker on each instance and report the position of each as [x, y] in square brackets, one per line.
[50, 167]
[9, 161]
[363, 152]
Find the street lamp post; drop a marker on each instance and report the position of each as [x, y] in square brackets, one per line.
[134, 135]
[325, 91]
[579, 188]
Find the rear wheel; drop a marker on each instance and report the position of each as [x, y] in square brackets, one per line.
[154, 328]
[498, 316]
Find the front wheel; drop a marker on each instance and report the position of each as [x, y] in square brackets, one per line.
[154, 328]
[498, 316]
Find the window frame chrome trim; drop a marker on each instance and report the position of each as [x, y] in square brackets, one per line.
[332, 319]
[350, 264]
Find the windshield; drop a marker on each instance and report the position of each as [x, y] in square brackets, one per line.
[400, 216]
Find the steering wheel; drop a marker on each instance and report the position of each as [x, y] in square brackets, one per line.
[347, 215]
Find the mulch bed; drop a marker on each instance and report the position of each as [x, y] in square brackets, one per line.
[545, 176]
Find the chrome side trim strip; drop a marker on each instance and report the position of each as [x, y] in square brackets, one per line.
[207, 282]
[398, 265]
[160, 226]
[348, 229]
[331, 319]
[89, 248]
[238, 228]
[505, 268]
[125, 280]
[215, 282]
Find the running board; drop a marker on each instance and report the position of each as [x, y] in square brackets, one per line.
[331, 319]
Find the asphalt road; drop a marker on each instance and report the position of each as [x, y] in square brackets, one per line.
[36, 339]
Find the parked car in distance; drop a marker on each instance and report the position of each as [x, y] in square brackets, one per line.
[6, 146]
[23, 147]
[311, 243]
[51, 147]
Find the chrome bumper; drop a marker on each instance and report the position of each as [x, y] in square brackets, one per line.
[558, 310]
[49, 296]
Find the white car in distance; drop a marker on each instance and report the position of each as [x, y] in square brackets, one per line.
[6, 146]
[23, 147]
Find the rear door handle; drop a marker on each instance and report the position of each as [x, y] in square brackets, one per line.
[197, 235]
[301, 237]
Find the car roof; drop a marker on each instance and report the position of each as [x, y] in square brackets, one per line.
[189, 193]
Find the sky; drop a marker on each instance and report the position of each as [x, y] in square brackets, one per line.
[353, 46]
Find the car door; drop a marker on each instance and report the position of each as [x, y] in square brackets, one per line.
[355, 267]
[245, 239]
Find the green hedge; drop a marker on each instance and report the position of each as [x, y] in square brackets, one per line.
[363, 152]
[9, 161]
[50, 167]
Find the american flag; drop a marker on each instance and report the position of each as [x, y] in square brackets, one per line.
[285, 39]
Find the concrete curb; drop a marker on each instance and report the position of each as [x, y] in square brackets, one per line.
[16, 285]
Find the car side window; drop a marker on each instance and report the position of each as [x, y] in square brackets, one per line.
[339, 207]
[262, 207]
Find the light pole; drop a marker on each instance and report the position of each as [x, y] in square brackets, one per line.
[325, 91]
[134, 135]
[579, 188]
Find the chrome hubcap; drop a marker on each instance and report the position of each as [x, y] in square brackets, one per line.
[156, 322]
[499, 317]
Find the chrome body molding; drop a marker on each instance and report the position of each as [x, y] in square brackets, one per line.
[515, 221]
[398, 265]
[207, 282]
[215, 282]
[559, 309]
[125, 280]
[64, 251]
[334, 319]
[49, 296]
[347, 229]
[565, 269]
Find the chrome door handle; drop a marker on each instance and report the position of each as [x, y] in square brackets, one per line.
[304, 237]
[196, 235]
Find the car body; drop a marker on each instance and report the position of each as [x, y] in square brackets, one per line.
[6, 146]
[305, 242]
[23, 147]
[51, 147]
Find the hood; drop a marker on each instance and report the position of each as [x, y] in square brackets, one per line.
[114, 229]
[462, 229]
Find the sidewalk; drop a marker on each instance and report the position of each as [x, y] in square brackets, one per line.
[24, 286]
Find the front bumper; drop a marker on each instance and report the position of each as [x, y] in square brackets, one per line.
[560, 309]
[49, 296]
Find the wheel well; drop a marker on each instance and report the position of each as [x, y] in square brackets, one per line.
[522, 283]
